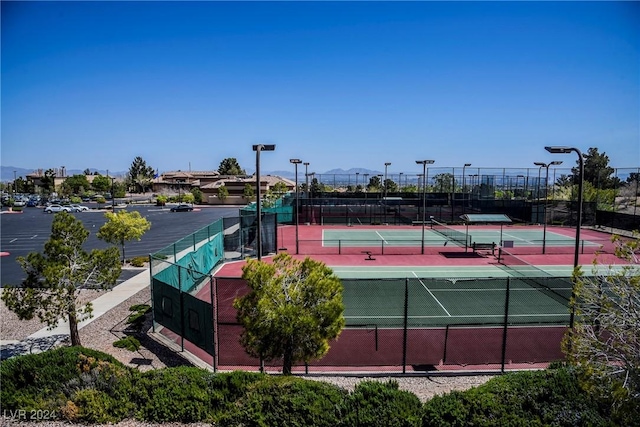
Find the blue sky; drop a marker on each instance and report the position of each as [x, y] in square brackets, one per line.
[338, 84]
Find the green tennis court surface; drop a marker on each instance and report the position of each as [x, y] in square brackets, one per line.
[439, 296]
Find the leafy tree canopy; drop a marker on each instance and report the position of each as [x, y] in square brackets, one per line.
[230, 166]
[597, 170]
[75, 184]
[101, 183]
[293, 310]
[123, 226]
[140, 175]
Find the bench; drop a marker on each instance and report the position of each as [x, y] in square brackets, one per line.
[484, 246]
[368, 253]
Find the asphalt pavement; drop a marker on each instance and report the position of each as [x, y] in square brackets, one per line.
[22, 233]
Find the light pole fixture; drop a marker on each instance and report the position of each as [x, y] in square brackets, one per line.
[576, 255]
[463, 185]
[424, 164]
[258, 148]
[296, 162]
[546, 195]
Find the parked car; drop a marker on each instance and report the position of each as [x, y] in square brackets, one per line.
[57, 208]
[79, 208]
[182, 207]
[19, 203]
[32, 203]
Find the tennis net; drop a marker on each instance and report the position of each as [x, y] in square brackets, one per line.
[558, 288]
[458, 237]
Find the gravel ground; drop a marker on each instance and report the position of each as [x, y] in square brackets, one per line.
[103, 331]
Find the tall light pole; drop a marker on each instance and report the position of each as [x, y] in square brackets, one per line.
[356, 188]
[576, 255]
[546, 195]
[296, 162]
[306, 189]
[463, 185]
[424, 164]
[386, 165]
[15, 186]
[400, 181]
[258, 148]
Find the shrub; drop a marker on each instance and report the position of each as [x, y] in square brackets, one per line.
[288, 401]
[128, 342]
[46, 381]
[375, 403]
[178, 394]
[138, 261]
[536, 398]
[137, 318]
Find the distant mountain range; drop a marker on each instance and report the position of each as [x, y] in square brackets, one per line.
[7, 172]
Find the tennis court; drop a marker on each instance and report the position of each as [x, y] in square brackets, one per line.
[446, 308]
[413, 237]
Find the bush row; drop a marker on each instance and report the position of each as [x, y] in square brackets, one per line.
[82, 385]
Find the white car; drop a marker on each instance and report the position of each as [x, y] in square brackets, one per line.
[57, 208]
[79, 208]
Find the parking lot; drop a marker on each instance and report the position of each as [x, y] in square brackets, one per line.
[28, 231]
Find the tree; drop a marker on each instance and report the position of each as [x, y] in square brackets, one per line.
[140, 175]
[55, 277]
[443, 183]
[101, 183]
[375, 184]
[248, 192]
[390, 186]
[230, 166]
[197, 195]
[597, 170]
[605, 340]
[76, 184]
[293, 310]
[123, 226]
[48, 181]
[223, 192]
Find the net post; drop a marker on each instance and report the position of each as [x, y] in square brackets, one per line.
[404, 329]
[506, 321]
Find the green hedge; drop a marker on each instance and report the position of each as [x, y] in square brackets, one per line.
[535, 398]
[87, 386]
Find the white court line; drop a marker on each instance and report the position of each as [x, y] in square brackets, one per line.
[13, 240]
[459, 315]
[380, 235]
[432, 295]
[529, 242]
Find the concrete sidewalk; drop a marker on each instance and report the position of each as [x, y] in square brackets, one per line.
[46, 338]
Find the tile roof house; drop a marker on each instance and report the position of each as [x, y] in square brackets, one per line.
[210, 183]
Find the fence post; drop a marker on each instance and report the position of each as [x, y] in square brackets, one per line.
[406, 315]
[214, 323]
[153, 316]
[506, 320]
